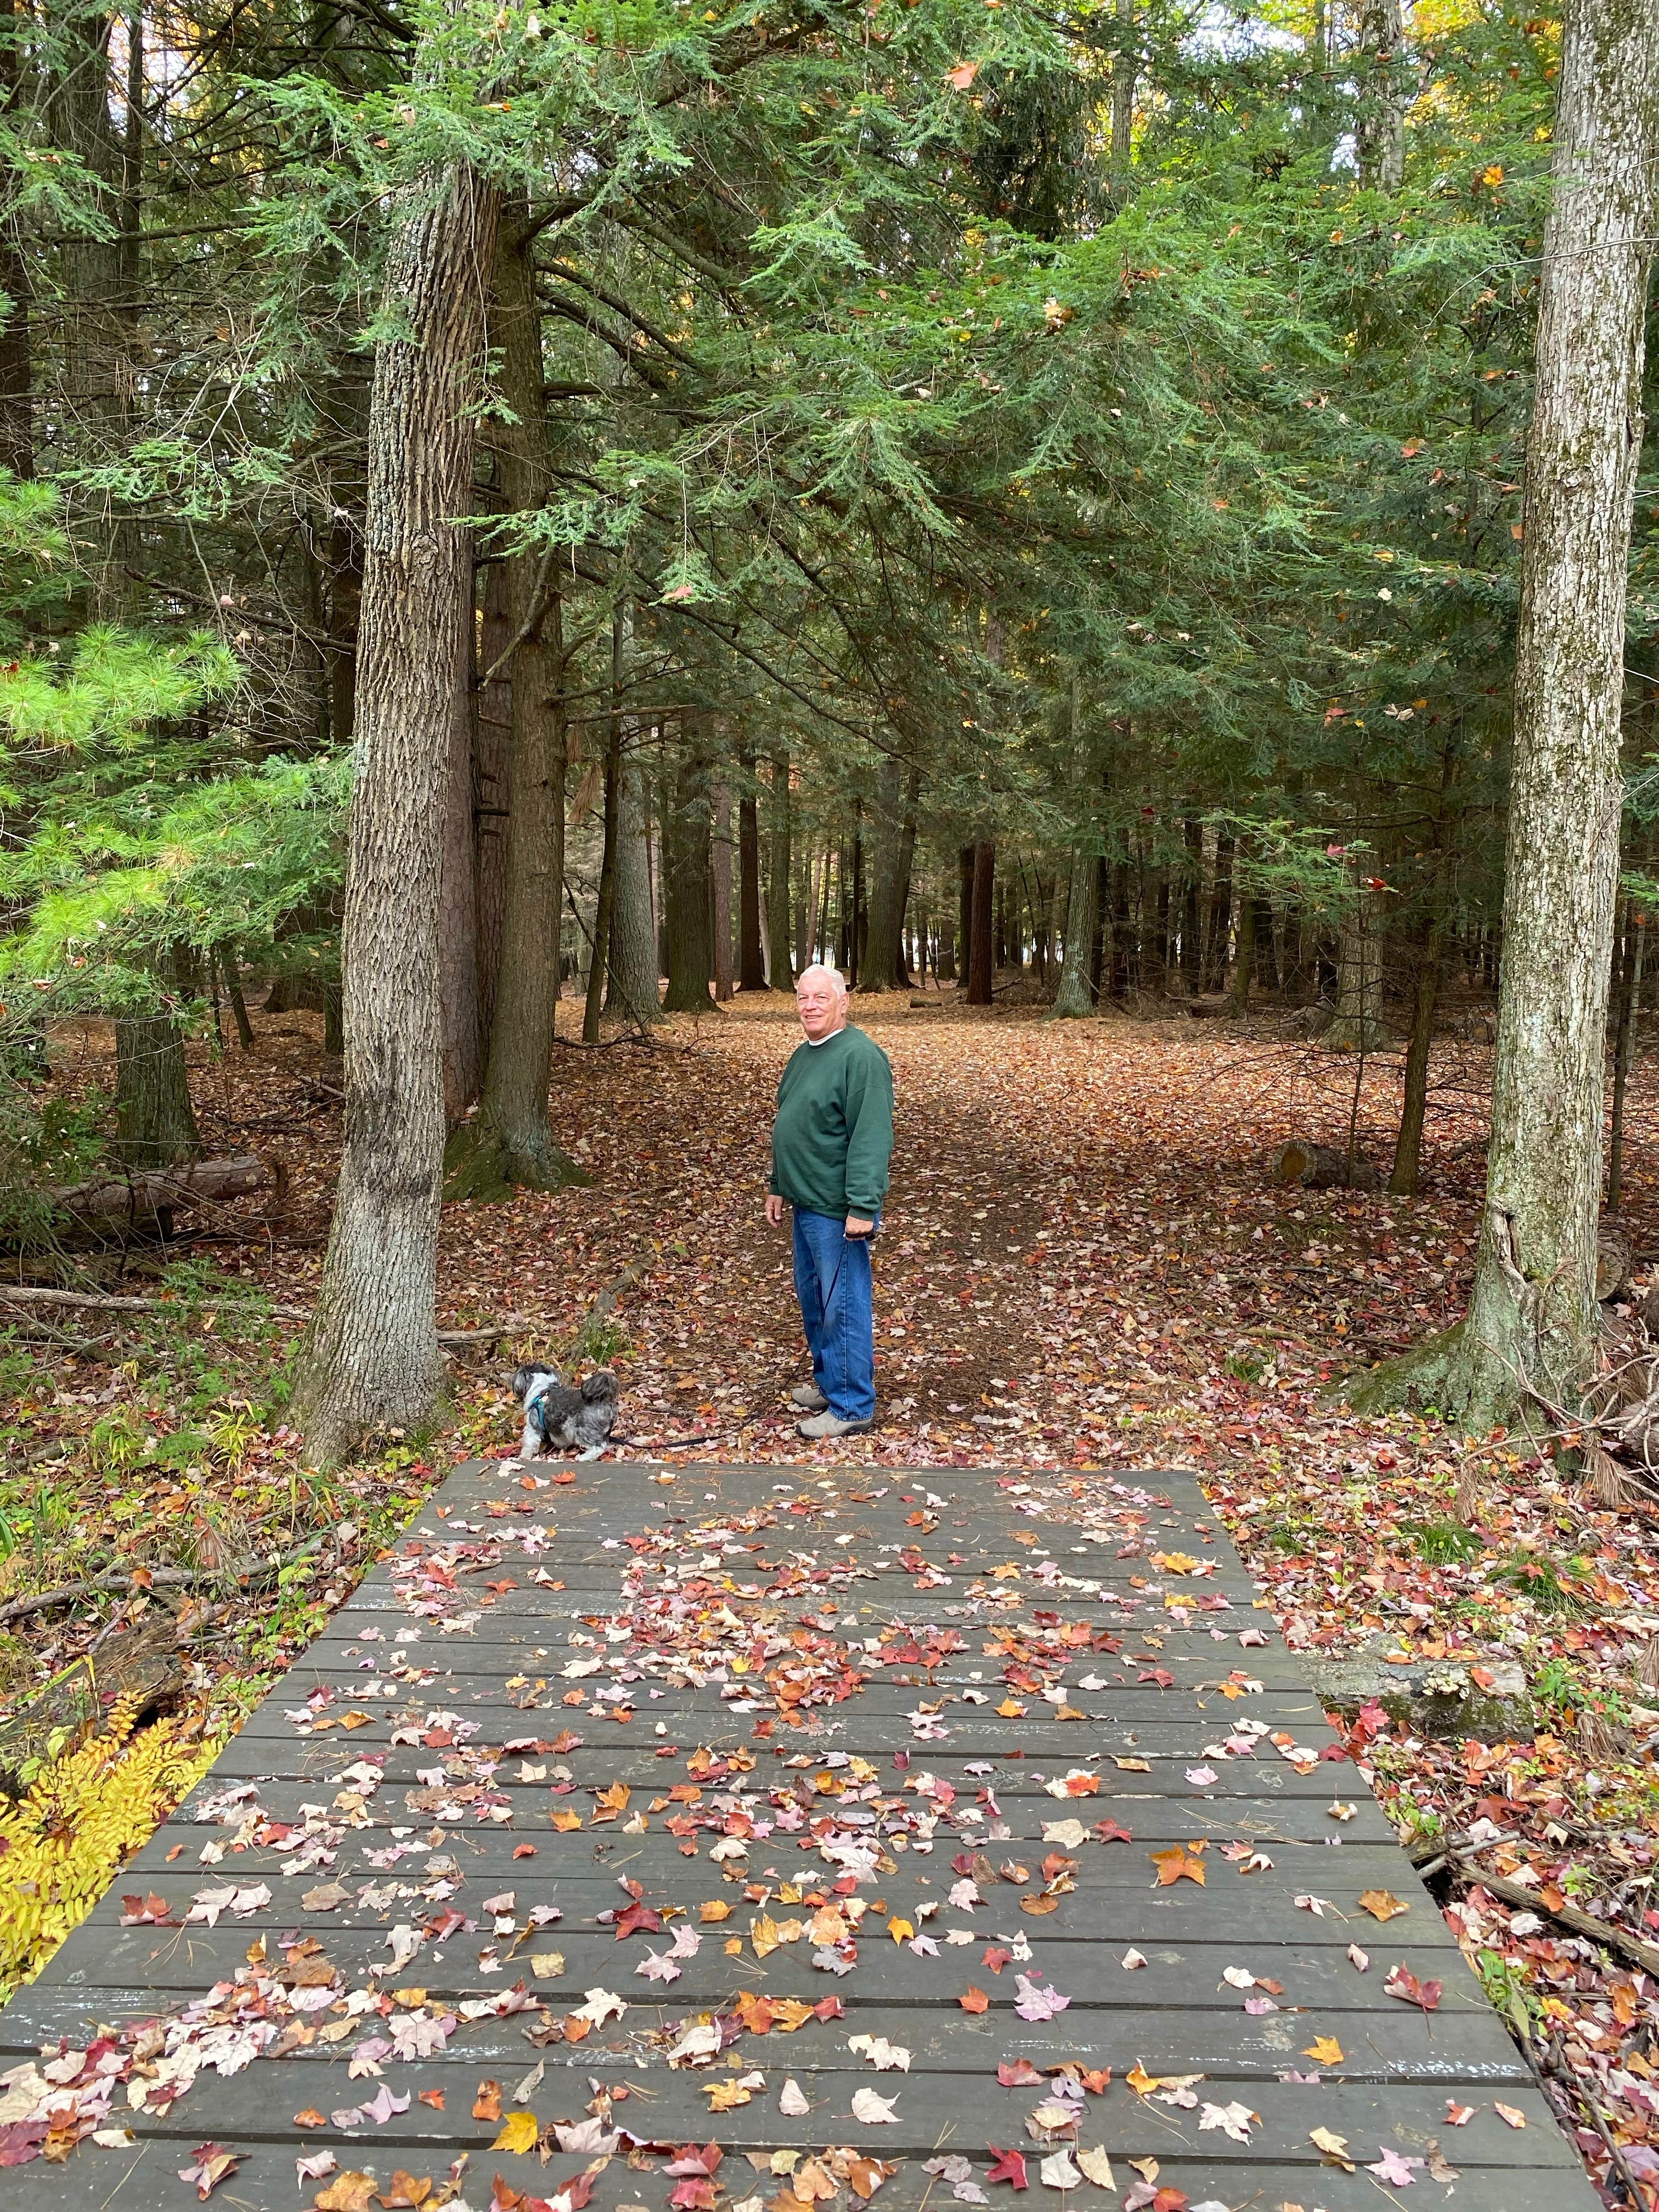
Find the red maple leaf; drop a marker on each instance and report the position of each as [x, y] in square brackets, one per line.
[1010, 2167]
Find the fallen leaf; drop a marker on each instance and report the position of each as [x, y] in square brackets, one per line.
[1009, 2165]
[1326, 2049]
[973, 2000]
[519, 2131]
[1382, 1905]
[1509, 2115]
[1177, 1863]
[872, 2111]
[1335, 2147]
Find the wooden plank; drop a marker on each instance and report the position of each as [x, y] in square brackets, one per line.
[979, 1771]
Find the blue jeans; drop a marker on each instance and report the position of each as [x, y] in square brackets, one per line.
[833, 1283]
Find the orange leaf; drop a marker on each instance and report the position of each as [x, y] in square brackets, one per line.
[1175, 1864]
[973, 2000]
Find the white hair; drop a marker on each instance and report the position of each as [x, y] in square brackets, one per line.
[837, 980]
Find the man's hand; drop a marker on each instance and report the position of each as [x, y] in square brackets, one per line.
[773, 1208]
[856, 1226]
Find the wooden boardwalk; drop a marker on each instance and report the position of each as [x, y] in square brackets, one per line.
[665, 1808]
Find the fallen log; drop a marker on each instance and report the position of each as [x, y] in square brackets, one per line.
[1306, 1165]
[1615, 1256]
[150, 1196]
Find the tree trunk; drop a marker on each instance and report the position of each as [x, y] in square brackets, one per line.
[1404, 1176]
[752, 960]
[508, 1142]
[965, 910]
[631, 989]
[724, 977]
[1357, 1024]
[605, 905]
[1243, 951]
[1380, 132]
[370, 1361]
[154, 1123]
[781, 973]
[16, 351]
[1624, 1052]
[491, 723]
[1533, 1305]
[688, 898]
[458, 922]
[1124, 62]
[895, 844]
[232, 974]
[944, 960]
[982, 924]
[1220, 914]
[1074, 1000]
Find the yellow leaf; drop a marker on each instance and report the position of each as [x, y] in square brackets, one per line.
[1325, 2048]
[519, 2132]
[713, 1908]
[1009, 1711]
[900, 1931]
[1334, 2146]
[564, 1821]
[1382, 1905]
[764, 1934]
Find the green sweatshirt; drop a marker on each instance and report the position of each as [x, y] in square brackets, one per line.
[833, 1137]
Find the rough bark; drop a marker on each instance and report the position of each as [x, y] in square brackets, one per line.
[1406, 1171]
[1380, 133]
[894, 856]
[724, 977]
[780, 972]
[458, 926]
[1243, 953]
[491, 726]
[1124, 65]
[1532, 1308]
[631, 984]
[964, 910]
[149, 1195]
[982, 924]
[688, 899]
[604, 906]
[1074, 1000]
[154, 1123]
[16, 351]
[508, 1142]
[1357, 1024]
[752, 959]
[370, 1361]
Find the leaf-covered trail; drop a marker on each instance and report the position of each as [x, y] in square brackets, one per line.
[1084, 1261]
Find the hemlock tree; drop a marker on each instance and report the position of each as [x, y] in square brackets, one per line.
[1532, 1308]
[370, 1361]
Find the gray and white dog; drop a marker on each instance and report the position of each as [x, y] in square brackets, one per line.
[579, 1419]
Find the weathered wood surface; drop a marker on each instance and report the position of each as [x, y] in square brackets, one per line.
[373, 1808]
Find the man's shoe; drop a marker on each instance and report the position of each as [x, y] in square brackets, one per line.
[809, 1398]
[830, 1424]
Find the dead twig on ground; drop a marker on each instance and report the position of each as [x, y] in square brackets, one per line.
[250, 1573]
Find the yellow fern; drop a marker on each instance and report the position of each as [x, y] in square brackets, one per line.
[63, 1843]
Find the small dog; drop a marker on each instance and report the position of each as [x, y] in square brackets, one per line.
[581, 1419]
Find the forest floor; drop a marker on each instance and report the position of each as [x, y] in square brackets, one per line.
[1084, 1261]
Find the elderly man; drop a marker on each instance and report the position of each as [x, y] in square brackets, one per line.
[831, 1142]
